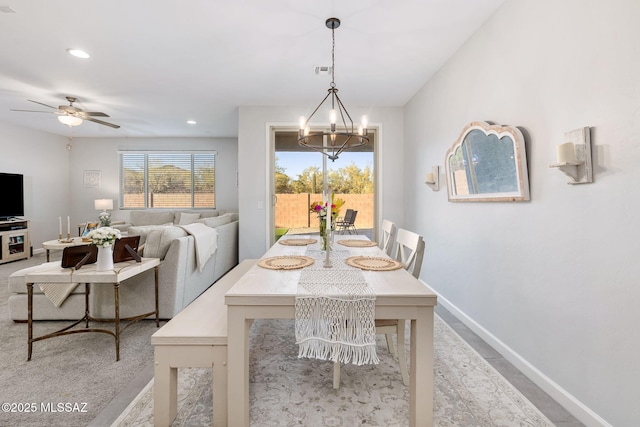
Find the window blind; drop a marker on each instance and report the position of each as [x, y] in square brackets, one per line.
[155, 179]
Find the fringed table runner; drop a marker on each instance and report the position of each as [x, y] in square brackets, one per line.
[335, 312]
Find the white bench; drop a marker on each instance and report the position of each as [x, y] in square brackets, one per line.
[195, 338]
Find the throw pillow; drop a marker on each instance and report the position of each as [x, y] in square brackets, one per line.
[233, 215]
[215, 221]
[159, 241]
[188, 218]
[143, 230]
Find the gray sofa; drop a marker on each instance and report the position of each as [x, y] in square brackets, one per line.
[180, 279]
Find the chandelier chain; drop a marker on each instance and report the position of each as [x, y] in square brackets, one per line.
[333, 58]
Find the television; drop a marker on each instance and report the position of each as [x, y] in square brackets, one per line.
[12, 199]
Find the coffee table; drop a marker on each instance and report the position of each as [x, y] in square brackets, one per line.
[89, 275]
[58, 245]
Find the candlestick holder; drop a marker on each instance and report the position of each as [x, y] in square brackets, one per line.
[578, 167]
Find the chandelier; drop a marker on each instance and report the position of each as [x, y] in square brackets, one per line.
[334, 141]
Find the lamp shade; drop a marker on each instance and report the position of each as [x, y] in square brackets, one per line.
[103, 204]
[70, 120]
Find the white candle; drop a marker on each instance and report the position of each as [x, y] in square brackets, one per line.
[431, 178]
[68, 226]
[566, 153]
[60, 225]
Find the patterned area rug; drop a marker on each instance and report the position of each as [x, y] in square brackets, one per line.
[287, 391]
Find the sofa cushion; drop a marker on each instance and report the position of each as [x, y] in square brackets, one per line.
[208, 213]
[184, 218]
[216, 221]
[143, 231]
[159, 240]
[149, 217]
[233, 215]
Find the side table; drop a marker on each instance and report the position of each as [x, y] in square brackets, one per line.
[58, 245]
[88, 275]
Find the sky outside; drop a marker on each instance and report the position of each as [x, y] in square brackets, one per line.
[295, 162]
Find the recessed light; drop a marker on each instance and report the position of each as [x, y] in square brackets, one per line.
[191, 122]
[78, 53]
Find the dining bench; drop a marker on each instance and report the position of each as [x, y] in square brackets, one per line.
[195, 338]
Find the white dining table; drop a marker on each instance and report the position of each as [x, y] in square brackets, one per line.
[270, 294]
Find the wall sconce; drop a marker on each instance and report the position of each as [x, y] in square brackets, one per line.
[433, 178]
[574, 156]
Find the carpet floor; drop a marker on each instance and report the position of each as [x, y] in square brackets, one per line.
[287, 391]
[77, 371]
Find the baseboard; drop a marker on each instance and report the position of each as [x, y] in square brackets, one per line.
[560, 395]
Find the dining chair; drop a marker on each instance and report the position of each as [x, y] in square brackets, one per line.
[388, 236]
[341, 219]
[348, 222]
[409, 250]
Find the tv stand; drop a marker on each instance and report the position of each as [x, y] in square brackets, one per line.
[14, 240]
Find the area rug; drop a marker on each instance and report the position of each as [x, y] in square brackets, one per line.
[79, 370]
[287, 391]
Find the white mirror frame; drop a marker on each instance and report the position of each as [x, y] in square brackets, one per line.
[520, 162]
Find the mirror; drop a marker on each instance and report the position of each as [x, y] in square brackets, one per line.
[487, 163]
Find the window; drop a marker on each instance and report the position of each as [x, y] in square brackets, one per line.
[155, 179]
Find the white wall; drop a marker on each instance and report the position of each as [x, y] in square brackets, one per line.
[43, 159]
[253, 145]
[102, 154]
[552, 283]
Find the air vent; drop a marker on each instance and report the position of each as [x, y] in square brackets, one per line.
[322, 70]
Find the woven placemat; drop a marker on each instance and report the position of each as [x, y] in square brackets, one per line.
[297, 242]
[358, 243]
[286, 262]
[373, 263]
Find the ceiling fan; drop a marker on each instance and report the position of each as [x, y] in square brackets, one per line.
[73, 116]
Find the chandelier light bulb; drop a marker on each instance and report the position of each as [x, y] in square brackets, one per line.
[333, 117]
[364, 121]
[302, 121]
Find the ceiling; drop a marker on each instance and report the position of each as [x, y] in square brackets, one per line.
[157, 63]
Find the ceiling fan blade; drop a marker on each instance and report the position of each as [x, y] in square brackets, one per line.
[95, 114]
[33, 111]
[31, 100]
[102, 123]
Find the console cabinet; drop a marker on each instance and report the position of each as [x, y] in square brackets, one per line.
[14, 240]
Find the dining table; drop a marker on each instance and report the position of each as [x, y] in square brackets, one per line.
[270, 293]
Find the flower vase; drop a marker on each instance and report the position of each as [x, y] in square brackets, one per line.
[105, 258]
[323, 233]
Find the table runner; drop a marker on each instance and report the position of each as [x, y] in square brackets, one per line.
[335, 312]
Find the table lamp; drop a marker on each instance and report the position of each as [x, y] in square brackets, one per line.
[104, 205]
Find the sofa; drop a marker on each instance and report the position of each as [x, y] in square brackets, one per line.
[181, 279]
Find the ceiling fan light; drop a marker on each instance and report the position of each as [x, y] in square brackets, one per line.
[78, 53]
[70, 120]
